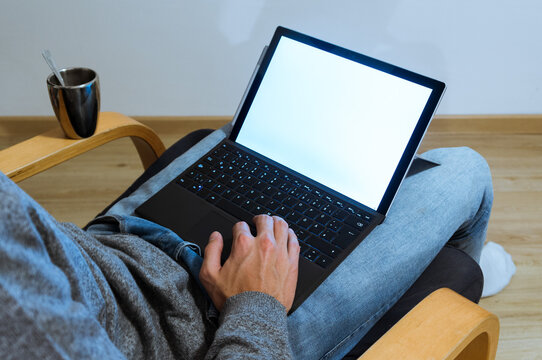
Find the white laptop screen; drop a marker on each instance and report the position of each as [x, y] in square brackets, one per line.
[336, 121]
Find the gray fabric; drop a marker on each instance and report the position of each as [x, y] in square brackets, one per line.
[67, 294]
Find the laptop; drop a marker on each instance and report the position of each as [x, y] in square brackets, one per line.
[323, 137]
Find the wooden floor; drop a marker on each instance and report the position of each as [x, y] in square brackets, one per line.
[75, 191]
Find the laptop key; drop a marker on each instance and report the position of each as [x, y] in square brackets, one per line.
[208, 183]
[300, 206]
[239, 199]
[365, 216]
[334, 225]
[211, 159]
[203, 167]
[274, 181]
[316, 228]
[191, 173]
[323, 219]
[317, 203]
[250, 180]
[328, 209]
[354, 221]
[325, 247]
[239, 175]
[293, 217]
[242, 189]
[198, 178]
[185, 182]
[256, 171]
[213, 173]
[224, 179]
[265, 176]
[308, 198]
[305, 222]
[232, 183]
[257, 209]
[301, 234]
[228, 194]
[219, 188]
[350, 209]
[212, 198]
[247, 204]
[279, 195]
[246, 165]
[312, 213]
[345, 237]
[203, 193]
[290, 201]
[282, 211]
[328, 235]
[229, 148]
[272, 205]
[340, 214]
[323, 261]
[311, 254]
[269, 191]
[285, 187]
[236, 162]
[263, 200]
[260, 185]
[252, 194]
[328, 198]
[195, 187]
[297, 192]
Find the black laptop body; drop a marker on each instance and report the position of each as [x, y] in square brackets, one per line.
[323, 138]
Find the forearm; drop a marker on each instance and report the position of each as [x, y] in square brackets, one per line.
[252, 326]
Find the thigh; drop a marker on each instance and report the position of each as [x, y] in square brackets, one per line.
[428, 210]
[49, 296]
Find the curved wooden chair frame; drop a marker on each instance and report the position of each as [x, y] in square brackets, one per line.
[51, 148]
[443, 326]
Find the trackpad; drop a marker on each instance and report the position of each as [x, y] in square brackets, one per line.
[212, 221]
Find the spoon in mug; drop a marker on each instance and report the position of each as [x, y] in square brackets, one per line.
[49, 60]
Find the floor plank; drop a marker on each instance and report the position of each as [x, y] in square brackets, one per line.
[78, 189]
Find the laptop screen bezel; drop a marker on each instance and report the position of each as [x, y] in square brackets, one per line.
[437, 89]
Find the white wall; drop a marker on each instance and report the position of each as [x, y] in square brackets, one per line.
[179, 57]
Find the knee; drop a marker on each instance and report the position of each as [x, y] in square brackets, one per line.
[466, 166]
[461, 159]
[472, 162]
[475, 165]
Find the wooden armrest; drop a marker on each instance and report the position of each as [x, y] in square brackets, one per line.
[51, 148]
[444, 325]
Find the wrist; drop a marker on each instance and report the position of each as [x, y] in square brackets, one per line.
[254, 303]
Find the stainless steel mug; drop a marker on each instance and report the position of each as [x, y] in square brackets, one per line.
[76, 104]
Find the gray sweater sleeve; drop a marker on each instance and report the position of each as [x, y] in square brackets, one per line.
[252, 326]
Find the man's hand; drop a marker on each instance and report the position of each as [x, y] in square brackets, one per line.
[266, 263]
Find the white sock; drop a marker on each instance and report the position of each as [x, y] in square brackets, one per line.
[497, 267]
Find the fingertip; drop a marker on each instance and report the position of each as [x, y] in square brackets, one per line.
[215, 235]
[292, 234]
[212, 254]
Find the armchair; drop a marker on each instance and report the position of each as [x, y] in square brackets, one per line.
[444, 325]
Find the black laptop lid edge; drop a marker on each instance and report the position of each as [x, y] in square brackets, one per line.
[437, 90]
[412, 147]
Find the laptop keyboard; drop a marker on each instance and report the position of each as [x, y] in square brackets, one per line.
[244, 186]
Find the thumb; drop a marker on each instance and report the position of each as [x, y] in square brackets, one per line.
[211, 257]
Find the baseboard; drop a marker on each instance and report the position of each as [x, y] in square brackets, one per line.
[506, 123]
